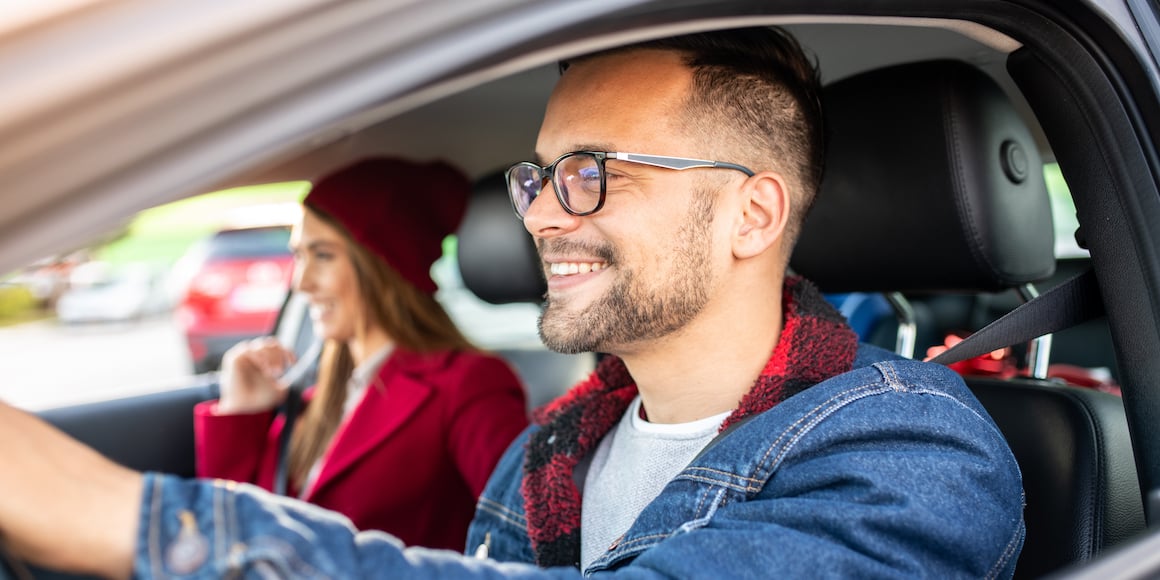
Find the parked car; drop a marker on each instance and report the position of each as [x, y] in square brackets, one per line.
[99, 293]
[238, 279]
[288, 91]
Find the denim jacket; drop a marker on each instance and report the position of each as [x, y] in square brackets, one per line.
[891, 470]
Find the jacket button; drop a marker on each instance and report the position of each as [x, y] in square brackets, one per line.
[482, 551]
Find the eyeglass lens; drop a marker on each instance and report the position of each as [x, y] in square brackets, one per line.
[576, 178]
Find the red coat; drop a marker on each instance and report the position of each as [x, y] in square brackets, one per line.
[411, 460]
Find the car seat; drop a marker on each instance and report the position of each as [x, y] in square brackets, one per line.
[935, 185]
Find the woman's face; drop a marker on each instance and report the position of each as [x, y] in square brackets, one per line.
[324, 272]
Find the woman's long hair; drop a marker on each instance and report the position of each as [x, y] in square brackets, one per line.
[414, 321]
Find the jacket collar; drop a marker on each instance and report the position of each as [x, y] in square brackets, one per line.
[397, 391]
[815, 344]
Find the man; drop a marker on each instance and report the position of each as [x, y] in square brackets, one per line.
[737, 430]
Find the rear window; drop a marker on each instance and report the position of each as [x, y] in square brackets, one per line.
[249, 243]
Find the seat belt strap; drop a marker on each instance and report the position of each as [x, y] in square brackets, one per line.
[289, 411]
[1075, 301]
[297, 376]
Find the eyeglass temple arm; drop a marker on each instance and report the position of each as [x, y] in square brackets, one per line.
[677, 163]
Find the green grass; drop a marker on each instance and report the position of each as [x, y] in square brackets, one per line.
[18, 305]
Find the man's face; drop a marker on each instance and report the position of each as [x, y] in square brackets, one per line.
[641, 268]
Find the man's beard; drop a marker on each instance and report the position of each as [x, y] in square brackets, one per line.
[631, 311]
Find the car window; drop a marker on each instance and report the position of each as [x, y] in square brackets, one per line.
[1062, 214]
[248, 243]
[132, 311]
[155, 304]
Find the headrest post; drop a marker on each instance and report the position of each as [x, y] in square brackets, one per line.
[907, 329]
[1039, 350]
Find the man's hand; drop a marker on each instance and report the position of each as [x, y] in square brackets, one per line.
[63, 505]
[250, 376]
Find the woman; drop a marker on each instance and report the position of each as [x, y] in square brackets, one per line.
[407, 420]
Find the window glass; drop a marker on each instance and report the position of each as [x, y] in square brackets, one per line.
[146, 307]
[1062, 214]
[249, 243]
[153, 305]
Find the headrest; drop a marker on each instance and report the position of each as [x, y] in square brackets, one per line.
[932, 183]
[497, 257]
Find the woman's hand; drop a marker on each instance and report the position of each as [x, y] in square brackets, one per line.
[250, 376]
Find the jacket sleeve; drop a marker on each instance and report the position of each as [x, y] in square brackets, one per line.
[230, 446]
[488, 411]
[215, 529]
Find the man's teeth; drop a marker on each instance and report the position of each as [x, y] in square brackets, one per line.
[570, 268]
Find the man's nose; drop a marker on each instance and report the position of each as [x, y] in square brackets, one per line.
[546, 217]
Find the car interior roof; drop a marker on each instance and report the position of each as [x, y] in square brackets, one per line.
[501, 116]
[493, 108]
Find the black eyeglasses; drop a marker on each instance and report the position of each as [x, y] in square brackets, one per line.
[579, 178]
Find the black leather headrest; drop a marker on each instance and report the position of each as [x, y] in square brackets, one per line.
[497, 257]
[932, 183]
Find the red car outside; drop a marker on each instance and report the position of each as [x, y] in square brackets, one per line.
[239, 282]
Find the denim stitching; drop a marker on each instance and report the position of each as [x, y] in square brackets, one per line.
[636, 541]
[986, 422]
[626, 548]
[501, 511]
[701, 502]
[717, 482]
[889, 373]
[703, 520]
[822, 411]
[760, 480]
[820, 414]
[796, 430]
[1008, 552]
[839, 399]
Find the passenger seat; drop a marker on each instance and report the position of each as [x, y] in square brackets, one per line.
[936, 185]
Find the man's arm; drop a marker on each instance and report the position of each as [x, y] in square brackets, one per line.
[63, 505]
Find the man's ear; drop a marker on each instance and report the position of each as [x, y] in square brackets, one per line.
[765, 205]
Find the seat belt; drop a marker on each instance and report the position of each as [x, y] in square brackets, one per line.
[297, 377]
[1074, 301]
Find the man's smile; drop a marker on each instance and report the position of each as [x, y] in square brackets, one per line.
[573, 268]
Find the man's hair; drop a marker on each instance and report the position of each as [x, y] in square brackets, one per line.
[757, 93]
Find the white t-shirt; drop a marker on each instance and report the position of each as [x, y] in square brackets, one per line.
[630, 467]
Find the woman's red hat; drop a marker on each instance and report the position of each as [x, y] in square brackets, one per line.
[399, 210]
